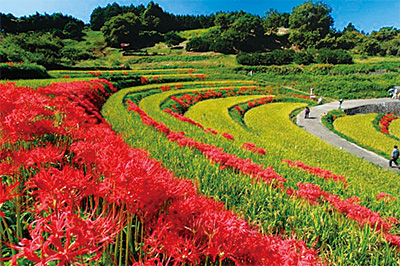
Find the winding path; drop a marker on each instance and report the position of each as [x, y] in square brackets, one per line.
[315, 127]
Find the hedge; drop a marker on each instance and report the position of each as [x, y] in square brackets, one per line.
[22, 71]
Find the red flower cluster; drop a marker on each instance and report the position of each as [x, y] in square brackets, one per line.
[385, 121]
[252, 147]
[326, 174]
[7, 193]
[205, 228]
[240, 110]
[210, 130]
[39, 130]
[301, 96]
[95, 74]
[385, 196]
[165, 88]
[260, 101]
[215, 154]
[85, 181]
[312, 193]
[189, 99]
[228, 136]
[191, 121]
[182, 118]
[197, 226]
[144, 80]
[200, 76]
[361, 214]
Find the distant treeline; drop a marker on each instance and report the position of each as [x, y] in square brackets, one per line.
[64, 26]
[308, 30]
[152, 16]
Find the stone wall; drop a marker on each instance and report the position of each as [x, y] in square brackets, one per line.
[392, 107]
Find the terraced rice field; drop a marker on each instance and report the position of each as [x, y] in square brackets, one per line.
[276, 207]
[394, 128]
[371, 131]
[215, 172]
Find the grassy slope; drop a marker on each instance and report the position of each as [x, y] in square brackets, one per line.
[360, 129]
[262, 205]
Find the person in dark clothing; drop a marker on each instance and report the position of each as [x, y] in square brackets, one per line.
[395, 156]
[307, 112]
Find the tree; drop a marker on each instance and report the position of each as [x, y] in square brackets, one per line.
[123, 28]
[154, 18]
[172, 38]
[245, 33]
[327, 56]
[223, 20]
[73, 30]
[309, 23]
[275, 20]
[32, 47]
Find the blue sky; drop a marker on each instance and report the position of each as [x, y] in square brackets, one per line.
[366, 15]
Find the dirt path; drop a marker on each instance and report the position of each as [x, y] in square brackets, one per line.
[315, 127]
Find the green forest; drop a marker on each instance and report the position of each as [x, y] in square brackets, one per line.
[306, 35]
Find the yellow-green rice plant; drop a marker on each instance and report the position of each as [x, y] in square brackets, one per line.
[359, 128]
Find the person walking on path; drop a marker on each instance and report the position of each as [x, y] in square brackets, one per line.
[395, 156]
[340, 103]
[307, 112]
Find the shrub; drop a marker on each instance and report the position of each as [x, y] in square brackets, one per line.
[303, 58]
[318, 69]
[222, 46]
[277, 57]
[198, 44]
[22, 71]
[283, 57]
[327, 56]
[172, 38]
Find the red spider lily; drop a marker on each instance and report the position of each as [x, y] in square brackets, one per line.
[393, 220]
[200, 76]
[385, 121]
[66, 76]
[290, 191]
[354, 211]
[178, 87]
[386, 196]
[198, 226]
[228, 136]
[95, 74]
[57, 188]
[210, 130]
[394, 239]
[239, 110]
[360, 214]
[7, 193]
[65, 238]
[25, 114]
[300, 96]
[312, 193]
[215, 154]
[165, 88]
[326, 174]
[144, 80]
[39, 156]
[148, 120]
[101, 166]
[182, 118]
[252, 147]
